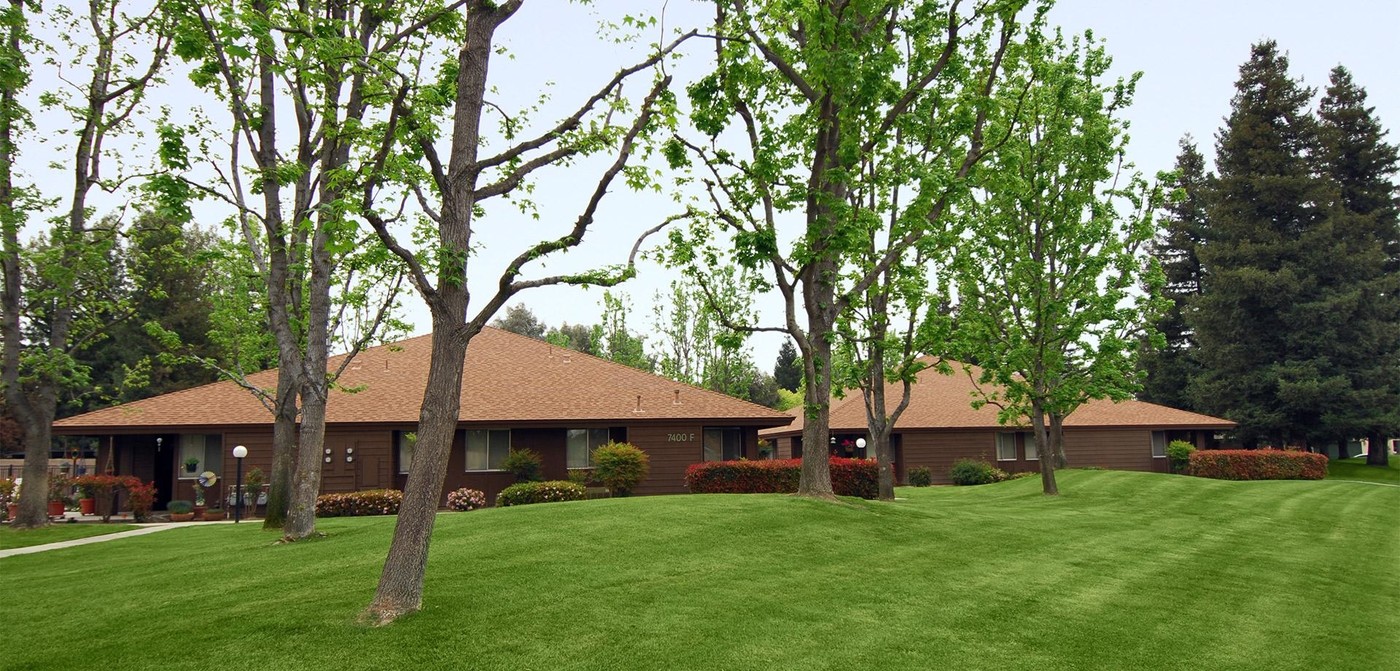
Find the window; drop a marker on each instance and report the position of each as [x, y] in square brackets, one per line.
[582, 442]
[1006, 447]
[487, 449]
[199, 453]
[1032, 454]
[1159, 444]
[406, 441]
[723, 443]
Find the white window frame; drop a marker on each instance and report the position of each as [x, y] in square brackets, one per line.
[404, 463]
[199, 449]
[1155, 442]
[1032, 454]
[596, 438]
[1003, 437]
[467, 449]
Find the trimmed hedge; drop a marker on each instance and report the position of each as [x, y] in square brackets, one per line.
[1179, 455]
[620, 467]
[920, 476]
[1257, 465]
[359, 504]
[549, 491]
[849, 477]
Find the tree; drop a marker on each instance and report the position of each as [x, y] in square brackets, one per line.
[614, 341]
[815, 92]
[519, 319]
[310, 64]
[1047, 281]
[1265, 196]
[1365, 309]
[577, 337]
[1167, 371]
[696, 348]
[787, 370]
[463, 182]
[114, 57]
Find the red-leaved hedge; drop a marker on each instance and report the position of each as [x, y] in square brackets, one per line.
[1257, 465]
[849, 477]
[361, 503]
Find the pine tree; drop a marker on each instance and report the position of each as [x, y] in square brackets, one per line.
[1264, 199]
[1170, 369]
[1353, 155]
[788, 369]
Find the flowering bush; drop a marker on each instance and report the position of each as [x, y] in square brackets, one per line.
[620, 467]
[101, 489]
[523, 493]
[1257, 465]
[849, 477]
[60, 487]
[974, 472]
[357, 504]
[7, 495]
[920, 476]
[466, 499]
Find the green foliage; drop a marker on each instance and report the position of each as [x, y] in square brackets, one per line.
[519, 319]
[620, 467]
[179, 507]
[975, 472]
[525, 464]
[524, 493]
[788, 400]
[614, 341]
[787, 370]
[358, 504]
[1179, 454]
[920, 476]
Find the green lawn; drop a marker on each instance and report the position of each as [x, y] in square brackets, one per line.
[1125, 571]
[1356, 469]
[9, 538]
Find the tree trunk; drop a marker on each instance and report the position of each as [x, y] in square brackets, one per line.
[1042, 441]
[1057, 440]
[306, 479]
[1378, 451]
[815, 480]
[401, 584]
[34, 494]
[284, 441]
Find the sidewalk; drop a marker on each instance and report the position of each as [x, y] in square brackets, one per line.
[145, 529]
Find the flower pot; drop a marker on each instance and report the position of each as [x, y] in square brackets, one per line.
[87, 506]
[181, 517]
[214, 515]
[190, 468]
[12, 511]
[199, 512]
[56, 508]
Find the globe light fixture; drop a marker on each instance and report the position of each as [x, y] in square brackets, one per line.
[238, 453]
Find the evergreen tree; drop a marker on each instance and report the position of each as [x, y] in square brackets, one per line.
[1265, 197]
[788, 369]
[1168, 370]
[1364, 311]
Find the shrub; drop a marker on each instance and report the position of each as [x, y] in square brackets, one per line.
[179, 507]
[920, 476]
[524, 493]
[7, 494]
[60, 487]
[466, 499]
[1023, 474]
[1179, 455]
[525, 464]
[358, 504]
[620, 467]
[849, 477]
[1257, 465]
[140, 497]
[581, 476]
[974, 472]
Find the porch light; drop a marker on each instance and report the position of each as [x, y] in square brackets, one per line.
[860, 443]
[238, 453]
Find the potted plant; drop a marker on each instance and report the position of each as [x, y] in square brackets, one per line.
[8, 495]
[198, 501]
[214, 514]
[191, 465]
[180, 511]
[141, 497]
[59, 486]
[87, 505]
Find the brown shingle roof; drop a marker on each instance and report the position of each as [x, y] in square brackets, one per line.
[939, 401]
[507, 378]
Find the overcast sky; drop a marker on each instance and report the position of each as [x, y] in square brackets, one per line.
[1188, 50]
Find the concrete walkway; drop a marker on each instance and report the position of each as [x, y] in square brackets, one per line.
[145, 529]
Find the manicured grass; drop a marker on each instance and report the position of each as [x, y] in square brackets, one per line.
[1356, 469]
[1124, 571]
[54, 533]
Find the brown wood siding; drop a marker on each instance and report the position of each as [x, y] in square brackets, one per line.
[1118, 449]
[669, 458]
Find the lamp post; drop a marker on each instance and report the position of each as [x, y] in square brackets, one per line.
[238, 453]
[860, 443]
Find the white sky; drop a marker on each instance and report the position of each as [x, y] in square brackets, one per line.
[1188, 50]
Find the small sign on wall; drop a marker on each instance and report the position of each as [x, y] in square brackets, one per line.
[680, 437]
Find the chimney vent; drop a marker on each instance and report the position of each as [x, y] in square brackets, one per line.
[639, 403]
[678, 397]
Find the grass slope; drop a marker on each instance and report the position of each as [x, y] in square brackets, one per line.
[54, 533]
[1356, 469]
[1125, 571]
